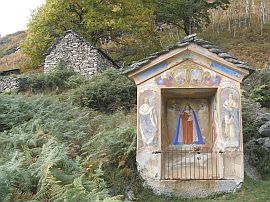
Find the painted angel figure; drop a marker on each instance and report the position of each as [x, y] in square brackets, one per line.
[231, 120]
[148, 122]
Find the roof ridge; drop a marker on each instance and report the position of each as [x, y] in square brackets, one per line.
[193, 38]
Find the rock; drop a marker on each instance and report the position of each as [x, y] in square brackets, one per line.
[8, 84]
[183, 44]
[242, 65]
[208, 46]
[232, 60]
[264, 130]
[117, 198]
[264, 142]
[7, 90]
[257, 155]
[263, 117]
[251, 171]
[190, 36]
[225, 55]
[130, 196]
[215, 50]
[202, 42]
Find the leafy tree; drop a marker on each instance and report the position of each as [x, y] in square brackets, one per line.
[187, 14]
[126, 23]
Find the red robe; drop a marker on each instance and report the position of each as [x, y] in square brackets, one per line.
[187, 128]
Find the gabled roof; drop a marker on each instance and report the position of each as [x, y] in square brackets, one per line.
[78, 36]
[186, 42]
[9, 71]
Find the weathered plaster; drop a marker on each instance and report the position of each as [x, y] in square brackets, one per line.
[214, 96]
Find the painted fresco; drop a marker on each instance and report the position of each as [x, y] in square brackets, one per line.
[230, 115]
[164, 65]
[188, 73]
[217, 138]
[148, 117]
[188, 122]
[196, 101]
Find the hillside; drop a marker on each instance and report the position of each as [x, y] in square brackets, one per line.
[248, 45]
[64, 137]
[11, 56]
[67, 138]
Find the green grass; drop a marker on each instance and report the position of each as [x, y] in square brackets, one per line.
[250, 191]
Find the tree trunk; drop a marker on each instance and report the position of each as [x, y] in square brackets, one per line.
[264, 11]
[187, 25]
[230, 17]
[213, 21]
[250, 12]
[234, 24]
[218, 25]
[171, 31]
[246, 12]
[239, 15]
[178, 33]
[261, 17]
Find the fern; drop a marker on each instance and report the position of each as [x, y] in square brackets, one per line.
[52, 150]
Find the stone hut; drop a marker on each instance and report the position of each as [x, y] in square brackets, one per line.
[73, 52]
[189, 125]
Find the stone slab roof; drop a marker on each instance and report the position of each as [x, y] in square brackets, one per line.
[187, 41]
[53, 46]
[10, 71]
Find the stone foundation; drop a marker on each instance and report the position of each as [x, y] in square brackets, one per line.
[193, 189]
[8, 84]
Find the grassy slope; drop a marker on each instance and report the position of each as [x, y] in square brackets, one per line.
[8, 58]
[52, 117]
[51, 148]
[248, 45]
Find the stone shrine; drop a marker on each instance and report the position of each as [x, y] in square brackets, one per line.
[189, 125]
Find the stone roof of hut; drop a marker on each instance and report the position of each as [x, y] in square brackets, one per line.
[187, 41]
[5, 72]
[82, 39]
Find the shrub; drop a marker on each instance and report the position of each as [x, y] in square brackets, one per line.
[257, 87]
[54, 81]
[251, 123]
[108, 91]
[258, 156]
[54, 151]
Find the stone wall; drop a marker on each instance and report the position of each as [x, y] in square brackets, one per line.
[73, 52]
[8, 84]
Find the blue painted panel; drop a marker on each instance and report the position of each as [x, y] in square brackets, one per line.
[225, 69]
[152, 70]
[147, 73]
